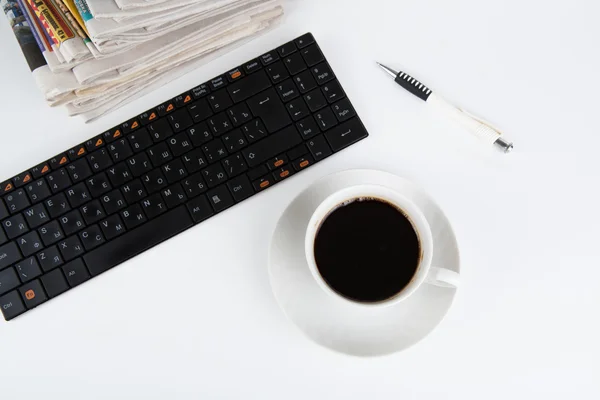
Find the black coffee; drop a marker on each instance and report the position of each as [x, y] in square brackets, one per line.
[367, 250]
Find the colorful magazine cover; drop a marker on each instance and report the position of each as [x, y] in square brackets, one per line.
[23, 32]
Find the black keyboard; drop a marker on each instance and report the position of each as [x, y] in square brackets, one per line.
[124, 191]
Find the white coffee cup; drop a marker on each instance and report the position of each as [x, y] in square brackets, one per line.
[425, 273]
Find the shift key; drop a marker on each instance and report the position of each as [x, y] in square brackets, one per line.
[272, 146]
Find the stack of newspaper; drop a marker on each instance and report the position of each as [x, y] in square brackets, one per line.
[94, 55]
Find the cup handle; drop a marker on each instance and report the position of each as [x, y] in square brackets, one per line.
[442, 277]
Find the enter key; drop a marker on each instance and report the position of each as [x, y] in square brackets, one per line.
[346, 134]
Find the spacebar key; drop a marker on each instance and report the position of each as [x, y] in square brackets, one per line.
[138, 240]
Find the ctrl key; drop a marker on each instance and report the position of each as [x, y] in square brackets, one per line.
[11, 305]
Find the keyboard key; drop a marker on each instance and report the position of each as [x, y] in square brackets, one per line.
[277, 72]
[333, 91]
[30, 243]
[303, 162]
[234, 141]
[273, 145]
[297, 109]
[286, 49]
[77, 152]
[130, 126]
[220, 124]
[180, 144]
[22, 179]
[322, 73]
[287, 90]
[241, 188]
[8, 280]
[305, 82]
[112, 227]
[254, 131]
[174, 171]
[220, 198]
[165, 108]
[37, 191]
[312, 55]
[57, 205]
[93, 212]
[252, 66]
[194, 185]
[183, 99]
[319, 148]
[41, 169]
[315, 100]
[15, 226]
[133, 191]
[174, 195]
[277, 162]
[138, 165]
[235, 165]
[54, 283]
[217, 82]
[308, 127]
[305, 40]
[262, 183]
[113, 202]
[180, 120]
[78, 195]
[234, 75]
[257, 172]
[154, 205]
[249, 86]
[239, 114]
[112, 135]
[220, 100]
[160, 154]
[17, 201]
[326, 119]
[154, 181]
[70, 248]
[58, 161]
[283, 173]
[33, 294]
[100, 160]
[297, 152]
[200, 91]
[200, 110]
[135, 242]
[50, 258]
[119, 174]
[99, 184]
[294, 63]
[160, 130]
[79, 170]
[28, 269]
[6, 187]
[215, 150]
[199, 134]
[200, 209]
[119, 150]
[194, 161]
[76, 272]
[51, 233]
[133, 216]
[346, 134]
[11, 305]
[343, 110]
[214, 175]
[72, 222]
[3, 238]
[269, 57]
[36, 216]
[270, 109]
[139, 140]
[3, 211]
[91, 237]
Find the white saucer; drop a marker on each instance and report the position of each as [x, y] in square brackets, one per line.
[340, 325]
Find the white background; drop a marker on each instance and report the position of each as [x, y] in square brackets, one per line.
[195, 318]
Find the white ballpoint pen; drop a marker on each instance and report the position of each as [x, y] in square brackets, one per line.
[478, 127]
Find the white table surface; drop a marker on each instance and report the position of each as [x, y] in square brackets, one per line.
[195, 318]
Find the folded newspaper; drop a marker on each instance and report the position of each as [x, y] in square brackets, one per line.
[93, 56]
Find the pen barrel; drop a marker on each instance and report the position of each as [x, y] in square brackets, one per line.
[413, 86]
[477, 127]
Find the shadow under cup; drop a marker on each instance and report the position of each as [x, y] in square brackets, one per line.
[367, 249]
